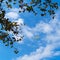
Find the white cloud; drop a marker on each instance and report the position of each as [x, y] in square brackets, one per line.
[43, 27]
[18, 9]
[27, 32]
[20, 21]
[14, 10]
[57, 53]
[12, 15]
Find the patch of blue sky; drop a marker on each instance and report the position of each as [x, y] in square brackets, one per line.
[31, 20]
[52, 58]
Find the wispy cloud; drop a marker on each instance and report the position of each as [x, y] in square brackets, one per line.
[52, 37]
[41, 53]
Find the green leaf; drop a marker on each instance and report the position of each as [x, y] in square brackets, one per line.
[9, 6]
[11, 42]
[10, 0]
[16, 51]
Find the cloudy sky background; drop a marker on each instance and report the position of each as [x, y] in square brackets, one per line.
[41, 37]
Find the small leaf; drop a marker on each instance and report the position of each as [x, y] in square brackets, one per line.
[11, 42]
[10, 0]
[16, 51]
[6, 44]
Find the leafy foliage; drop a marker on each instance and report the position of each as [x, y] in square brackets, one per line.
[6, 27]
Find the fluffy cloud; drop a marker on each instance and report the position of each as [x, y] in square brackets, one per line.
[27, 32]
[43, 27]
[12, 15]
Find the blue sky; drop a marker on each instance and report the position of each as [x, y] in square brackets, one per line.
[41, 37]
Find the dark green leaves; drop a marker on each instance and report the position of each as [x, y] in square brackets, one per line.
[54, 5]
[10, 0]
[48, 1]
[44, 6]
[29, 8]
[8, 5]
[16, 51]
[51, 12]
[1, 1]
[20, 1]
[6, 27]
